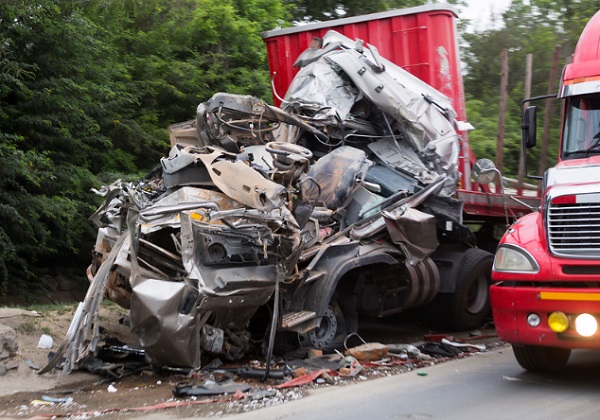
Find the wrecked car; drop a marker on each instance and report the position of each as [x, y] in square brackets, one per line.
[272, 223]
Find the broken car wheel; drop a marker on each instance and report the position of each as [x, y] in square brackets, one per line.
[541, 359]
[469, 305]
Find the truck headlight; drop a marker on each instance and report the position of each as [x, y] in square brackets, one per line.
[586, 325]
[513, 259]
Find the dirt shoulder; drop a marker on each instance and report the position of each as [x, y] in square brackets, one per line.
[24, 393]
[30, 326]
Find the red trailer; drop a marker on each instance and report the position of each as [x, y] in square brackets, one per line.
[423, 41]
[420, 39]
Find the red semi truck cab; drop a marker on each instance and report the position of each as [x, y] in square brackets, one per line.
[546, 293]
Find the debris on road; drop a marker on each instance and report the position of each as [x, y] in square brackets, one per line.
[368, 352]
[46, 342]
[479, 347]
[210, 387]
[243, 392]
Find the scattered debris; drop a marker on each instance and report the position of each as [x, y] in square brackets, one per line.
[57, 400]
[352, 367]
[261, 394]
[160, 386]
[145, 408]
[479, 347]
[304, 379]
[405, 350]
[256, 373]
[440, 346]
[41, 402]
[45, 342]
[210, 387]
[369, 351]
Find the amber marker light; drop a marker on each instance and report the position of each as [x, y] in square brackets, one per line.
[558, 322]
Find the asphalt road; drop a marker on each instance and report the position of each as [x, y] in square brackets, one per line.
[485, 386]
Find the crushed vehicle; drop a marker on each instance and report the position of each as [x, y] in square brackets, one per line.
[270, 223]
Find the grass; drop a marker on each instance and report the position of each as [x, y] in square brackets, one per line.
[48, 331]
[60, 309]
[28, 326]
[37, 325]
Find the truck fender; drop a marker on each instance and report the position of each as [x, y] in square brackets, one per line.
[319, 295]
[337, 317]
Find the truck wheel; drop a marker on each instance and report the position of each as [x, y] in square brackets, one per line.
[541, 359]
[330, 333]
[469, 305]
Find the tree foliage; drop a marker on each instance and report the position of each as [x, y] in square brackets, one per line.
[535, 27]
[87, 90]
[315, 10]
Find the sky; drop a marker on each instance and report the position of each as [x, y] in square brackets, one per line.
[479, 11]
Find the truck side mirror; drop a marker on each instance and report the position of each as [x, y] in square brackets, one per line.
[484, 171]
[529, 127]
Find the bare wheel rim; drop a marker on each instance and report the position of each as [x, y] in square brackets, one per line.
[323, 335]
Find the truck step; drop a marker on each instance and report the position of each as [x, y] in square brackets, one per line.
[291, 319]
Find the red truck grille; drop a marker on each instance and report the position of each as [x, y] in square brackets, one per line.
[574, 229]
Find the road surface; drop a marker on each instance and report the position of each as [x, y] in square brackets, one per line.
[485, 386]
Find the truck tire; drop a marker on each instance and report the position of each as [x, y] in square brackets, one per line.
[469, 305]
[541, 359]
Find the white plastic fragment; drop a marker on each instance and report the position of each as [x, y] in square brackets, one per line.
[111, 389]
[480, 347]
[45, 342]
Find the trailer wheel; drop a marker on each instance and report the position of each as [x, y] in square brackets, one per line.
[541, 359]
[469, 305]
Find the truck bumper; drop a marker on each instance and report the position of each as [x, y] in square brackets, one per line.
[512, 304]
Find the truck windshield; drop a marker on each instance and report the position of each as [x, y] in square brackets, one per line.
[581, 137]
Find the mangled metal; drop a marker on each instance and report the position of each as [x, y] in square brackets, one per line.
[406, 119]
[265, 219]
